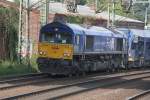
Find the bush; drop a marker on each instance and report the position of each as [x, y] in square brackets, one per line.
[13, 68]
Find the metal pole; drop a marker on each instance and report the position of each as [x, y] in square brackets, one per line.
[75, 6]
[28, 31]
[113, 13]
[96, 5]
[47, 10]
[146, 17]
[20, 31]
[108, 21]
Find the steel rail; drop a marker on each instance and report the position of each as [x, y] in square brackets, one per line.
[19, 76]
[139, 95]
[34, 81]
[37, 79]
[22, 77]
[92, 88]
[80, 83]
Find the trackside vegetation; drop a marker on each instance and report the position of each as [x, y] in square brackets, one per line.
[8, 68]
[9, 65]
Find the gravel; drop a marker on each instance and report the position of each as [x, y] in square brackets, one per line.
[119, 92]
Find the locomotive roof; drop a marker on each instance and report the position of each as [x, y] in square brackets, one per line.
[147, 33]
[137, 32]
[98, 32]
[101, 31]
[78, 29]
[61, 27]
[141, 33]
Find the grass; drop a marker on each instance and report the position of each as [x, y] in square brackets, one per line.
[12, 68]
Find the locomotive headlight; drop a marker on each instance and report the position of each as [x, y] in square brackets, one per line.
[67, 54]
[42, 53]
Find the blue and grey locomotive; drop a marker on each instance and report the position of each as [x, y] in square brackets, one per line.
[138, 47]
[70, 49]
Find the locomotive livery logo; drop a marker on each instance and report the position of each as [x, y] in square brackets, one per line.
[55, 47]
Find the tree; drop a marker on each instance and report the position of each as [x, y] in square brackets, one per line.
[8, 32]
[82, 2]
[17, 1]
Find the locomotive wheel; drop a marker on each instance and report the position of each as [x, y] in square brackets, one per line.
[77, 75]
[113, 69]
[83, 74]
[70, 75]
[107, 70]
[118, 69]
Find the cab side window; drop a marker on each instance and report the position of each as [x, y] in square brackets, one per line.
[133, 46]
[77, 39]
[89, 42]
[148, 45]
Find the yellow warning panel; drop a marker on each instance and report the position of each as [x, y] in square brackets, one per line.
[55, 51]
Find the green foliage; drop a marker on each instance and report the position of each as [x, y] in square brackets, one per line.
[137, 11]
[9, 21]
[17, 1]
[12, 68]
[82, 2]
[75, 19]
[58, 0]
[90, 1]
[33, 62]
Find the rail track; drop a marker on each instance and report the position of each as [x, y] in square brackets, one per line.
[57, 89]
[17, 81]
[30, 79]
[142, 96]
[21, 77]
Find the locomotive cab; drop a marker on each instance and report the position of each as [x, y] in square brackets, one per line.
[55, 45]
[55, 49]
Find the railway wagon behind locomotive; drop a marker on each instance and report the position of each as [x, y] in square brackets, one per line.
[70, 49]
[138, 47]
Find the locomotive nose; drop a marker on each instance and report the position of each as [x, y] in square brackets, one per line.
[56, 51]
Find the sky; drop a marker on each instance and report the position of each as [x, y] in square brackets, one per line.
[10, 0]
[33, 1]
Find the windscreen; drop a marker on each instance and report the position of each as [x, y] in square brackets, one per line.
[62, 38]
[138, 46]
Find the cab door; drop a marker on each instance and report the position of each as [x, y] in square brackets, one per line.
[78, 43]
